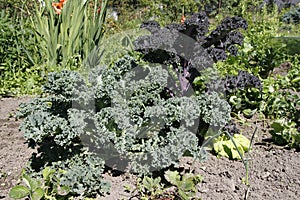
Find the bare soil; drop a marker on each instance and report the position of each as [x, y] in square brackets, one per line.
[274, 172]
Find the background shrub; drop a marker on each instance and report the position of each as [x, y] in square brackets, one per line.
[20, 57]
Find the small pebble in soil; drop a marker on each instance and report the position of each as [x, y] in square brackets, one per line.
[204, 190]
[265, 175]
[219, 190]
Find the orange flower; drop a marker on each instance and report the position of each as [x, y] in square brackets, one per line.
[59, 6]
[182, 19]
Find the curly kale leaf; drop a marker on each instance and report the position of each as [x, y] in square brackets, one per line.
[232, 83]
[145, 129]
[82, 173]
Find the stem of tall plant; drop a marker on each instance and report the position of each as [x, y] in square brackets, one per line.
[245, 160]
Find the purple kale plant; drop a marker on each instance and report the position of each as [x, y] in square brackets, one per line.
[189, 47]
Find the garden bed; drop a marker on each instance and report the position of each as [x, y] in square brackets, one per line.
[274, 171]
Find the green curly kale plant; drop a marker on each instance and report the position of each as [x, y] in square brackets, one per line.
[122, 115]
[131, 115]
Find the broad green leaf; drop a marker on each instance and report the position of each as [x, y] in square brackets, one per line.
[295, 80]
[26, 179]
[173, 177]
[219, 148]
[34, 184]
[156, 181]
[18, 192]
[38, 194]
[277, 126]
[186, 185]
[242, 140]
[147, 182]
[31, 183]
[235, 154]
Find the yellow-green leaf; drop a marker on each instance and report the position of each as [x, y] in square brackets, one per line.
[18, 192]
[242, 140]
[38, 194]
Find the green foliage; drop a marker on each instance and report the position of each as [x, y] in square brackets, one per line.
[150, 188]
[284, 133]
[45, 187]
[267, 50]
[77, 174]
[214, 7]
[280, 102]
[132, 13]
[172, 12]
[15, 8]
[35, 41]
[32, 189]
[66, 39]
[53, 126]
[263, 49]
[142, 124]
[247, 101]
[19, 57]
[185, 184]
[292, 16]
[280, 93]
[224, 146]
[82, 174]
[177, 186]
[52, 186]
[289, 44]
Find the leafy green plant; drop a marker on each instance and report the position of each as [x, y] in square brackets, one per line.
[52, 186]
[284, 132]
[134, 140]
[177, 186]
[126, 115]
[69, 37]
[20, 72]
[185, 184]
[130, 108]
[257, 55]
[235, 145]
[48, 187]
[32, 189]
[163, 11]
[215, 7]
[224, 146]
[150, 188]
[282, 105]
[246, 101]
